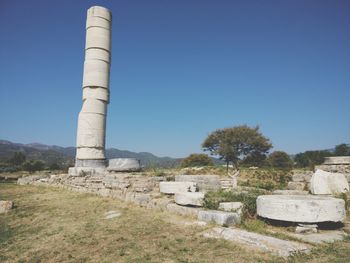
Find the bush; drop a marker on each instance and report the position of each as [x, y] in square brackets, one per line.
[280, 159]
[197, 159]
[32, 166]
[212, 200]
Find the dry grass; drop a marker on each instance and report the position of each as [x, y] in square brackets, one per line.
[54, 225]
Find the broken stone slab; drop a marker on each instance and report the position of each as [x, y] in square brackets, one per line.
[191, 199]
[306, 228]
[112, 214]
[5, 206]
[177, 187]
[219, 217]
[30, 179]
[337, 160]
[183, 210]
[326, 183]
[296, 186]
[276, 246]
[328, 236]
[231, 207]
[301, 208]
[204, 182]
[289, 192]
[124, 165]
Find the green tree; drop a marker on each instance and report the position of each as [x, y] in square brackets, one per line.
[310, 158]
[280, 159]
[17, 158]
[54, 166]
[32, 166]
[197, 159]
[232, 144]
[255, 159]
[342, 150]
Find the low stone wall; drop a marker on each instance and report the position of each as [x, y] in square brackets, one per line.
[336, 168]
[134, 188]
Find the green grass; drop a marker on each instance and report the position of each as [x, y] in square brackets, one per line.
[55, 225]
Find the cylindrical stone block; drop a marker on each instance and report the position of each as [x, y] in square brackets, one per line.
[92, 118]
[96, 73]
[96, 93]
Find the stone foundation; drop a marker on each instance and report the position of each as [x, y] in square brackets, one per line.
[135, 188]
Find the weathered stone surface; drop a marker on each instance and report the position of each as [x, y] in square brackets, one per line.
[296, 186]
[323, 237]
[306, 228]
[92, 117]
[204, 182]
[192, 199]
[177, 187]
[112, 214]
[5, 206]
[183, 210]
[30, 179]
[231, 207]
[325, 183]
[289, 192]
[303, 209]
[219, 217]
[337, 160]
[124, 165]
[279, 247]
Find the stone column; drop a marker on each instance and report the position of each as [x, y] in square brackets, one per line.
[92, 117]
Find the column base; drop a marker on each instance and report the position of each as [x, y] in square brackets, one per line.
[93, 163]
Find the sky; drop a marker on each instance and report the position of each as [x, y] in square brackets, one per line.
[180, 70]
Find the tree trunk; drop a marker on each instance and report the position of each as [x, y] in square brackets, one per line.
[227, 164]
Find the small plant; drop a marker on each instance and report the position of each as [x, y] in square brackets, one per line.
[212, 200]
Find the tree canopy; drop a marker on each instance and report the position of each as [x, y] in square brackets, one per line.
[280, 159]
[233, 144]
[197, 159]
[342, 150]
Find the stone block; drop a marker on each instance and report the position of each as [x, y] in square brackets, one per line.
[219, 217]
[183, 210]
[5, 206]
[124, 165]
[306, 229]
[325, 183]
[204, 182]
[296, 186]
[232, 207]
[189, 199]
[278, 247]
[337, 160]
[289, 192]
[177, 187]
[302, 209]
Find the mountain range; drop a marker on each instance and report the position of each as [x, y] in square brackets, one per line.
[65, 155]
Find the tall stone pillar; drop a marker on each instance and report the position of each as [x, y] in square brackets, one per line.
[92, 117]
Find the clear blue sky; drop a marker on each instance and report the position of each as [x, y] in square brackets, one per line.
[180, 70]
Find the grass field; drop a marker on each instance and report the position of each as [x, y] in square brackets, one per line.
[55, 225]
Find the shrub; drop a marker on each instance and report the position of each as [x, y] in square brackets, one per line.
[212, 200]
[32, 166]
[280, 159]
[197, 159]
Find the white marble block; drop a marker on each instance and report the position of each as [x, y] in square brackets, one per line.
[326, 183]
[191, 199]
[177, 187]
[301, 208]
[219, 217]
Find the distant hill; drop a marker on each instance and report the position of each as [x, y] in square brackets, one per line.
[65, 155]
